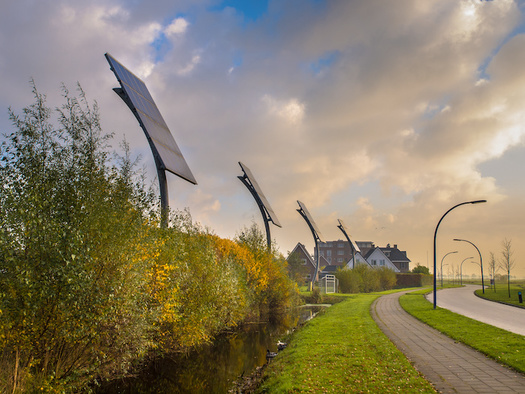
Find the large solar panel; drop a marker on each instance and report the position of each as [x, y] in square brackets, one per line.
[345, 232]
[310, 220]
[259, 192]
[138, 98]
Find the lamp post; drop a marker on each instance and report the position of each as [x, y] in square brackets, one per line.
[461, 269]
[445, 264]
[435, 236]
[480, 262]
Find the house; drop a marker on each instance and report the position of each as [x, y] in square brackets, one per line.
[359, 259]
[397, 257]
[308, 261]
[329, 270]
[335, 252]
[338, 254]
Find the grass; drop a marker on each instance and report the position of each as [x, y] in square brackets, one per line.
[502, 294]
[503, 346]
[343, 351]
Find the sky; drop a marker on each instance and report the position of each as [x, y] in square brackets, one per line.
[384, 114]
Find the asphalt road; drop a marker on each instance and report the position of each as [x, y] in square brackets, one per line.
[463, 301]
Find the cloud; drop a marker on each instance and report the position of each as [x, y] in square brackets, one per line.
[177, 27]
[383, 112]
[291, 111]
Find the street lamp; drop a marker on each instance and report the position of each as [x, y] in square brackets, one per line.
[461, 269]
[435, 235]
[445, 264]
[480, 262]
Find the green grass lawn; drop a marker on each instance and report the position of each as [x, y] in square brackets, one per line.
[505, 347]
[343, 351]
[502, 294]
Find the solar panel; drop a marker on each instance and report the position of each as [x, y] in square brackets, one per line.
[259, 192]
[138, 98]
[310, 220]
[345, 231]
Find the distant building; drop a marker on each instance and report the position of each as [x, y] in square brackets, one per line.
[339, 255]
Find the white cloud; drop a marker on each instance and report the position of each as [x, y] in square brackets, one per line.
[291, 110]
[177, 27]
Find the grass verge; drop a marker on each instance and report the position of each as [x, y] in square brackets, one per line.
[343, 351]
[501, 294]
[503, 346]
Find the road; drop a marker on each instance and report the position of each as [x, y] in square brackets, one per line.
[463, 301]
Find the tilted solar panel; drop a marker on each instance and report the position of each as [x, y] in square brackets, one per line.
[161, 140]
[345, 231]
[266, 204]
[311, 220]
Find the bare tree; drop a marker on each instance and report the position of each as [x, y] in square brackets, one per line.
[493, 268]
[507, 263]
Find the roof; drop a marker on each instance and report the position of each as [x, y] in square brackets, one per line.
[302, 249]
[396, 255]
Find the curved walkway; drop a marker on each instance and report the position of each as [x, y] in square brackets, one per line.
[450, 366]
[462, 300]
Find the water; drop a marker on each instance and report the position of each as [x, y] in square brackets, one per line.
[213, 368]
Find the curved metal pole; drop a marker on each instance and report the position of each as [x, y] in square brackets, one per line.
[461, 269]
[341, 227]
[480, 263]
[316, 250]
[435, 236]
[261, 208]
[445, 264]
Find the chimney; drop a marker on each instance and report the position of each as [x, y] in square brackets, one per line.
[395, 246]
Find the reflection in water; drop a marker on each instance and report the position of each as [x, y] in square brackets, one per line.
[212, 368]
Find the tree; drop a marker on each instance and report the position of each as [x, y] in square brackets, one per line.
[493, 268]
[506, 262]
[71, 236]
[297, 270]
[420, 269]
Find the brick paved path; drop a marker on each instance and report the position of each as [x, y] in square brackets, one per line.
[450, 366]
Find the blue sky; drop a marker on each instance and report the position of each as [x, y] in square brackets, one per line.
[383, 114]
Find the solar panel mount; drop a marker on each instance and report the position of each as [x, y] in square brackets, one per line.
[264, 206]
[318, 237]
[166, 153]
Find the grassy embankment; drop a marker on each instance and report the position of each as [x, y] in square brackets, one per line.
[343, 350]
[501, 294]
[503, 346]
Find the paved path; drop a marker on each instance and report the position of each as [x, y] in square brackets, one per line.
[450, 366]
[463, 301]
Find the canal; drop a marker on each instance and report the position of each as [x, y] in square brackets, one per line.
[214, 367]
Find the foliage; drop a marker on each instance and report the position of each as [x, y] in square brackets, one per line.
[420, 269]
[363, 279]
[89, 283]
[501, 345]
[507, 262]
[297, 270]
[70, 262]
[335, 353]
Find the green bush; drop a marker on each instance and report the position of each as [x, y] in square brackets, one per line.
[89, 283]
[363, 279]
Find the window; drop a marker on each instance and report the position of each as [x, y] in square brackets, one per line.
[340, 245]
[340, 260]
[341, 252]
[374, 262]
[381, 262]
[328, 252]
[329, 259]
[304, 261]
[322, 252]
